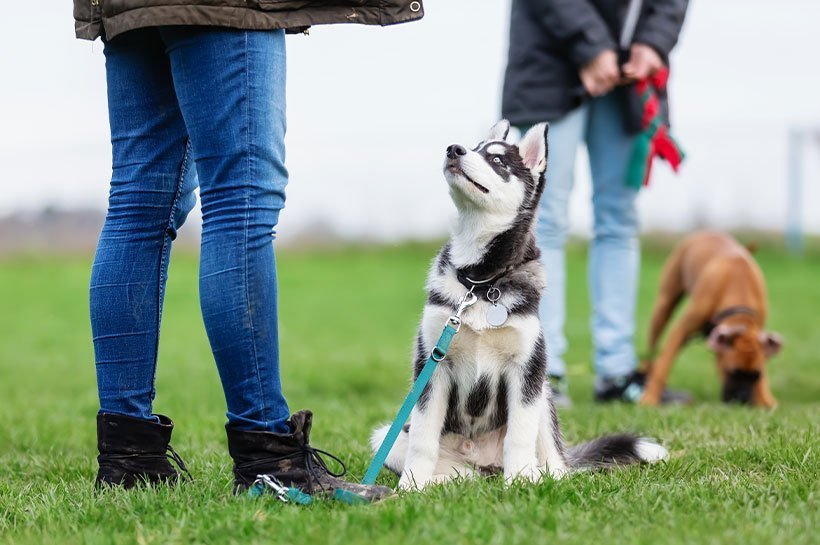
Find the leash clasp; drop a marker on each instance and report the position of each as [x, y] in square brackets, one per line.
[468, 300]
[266, 481]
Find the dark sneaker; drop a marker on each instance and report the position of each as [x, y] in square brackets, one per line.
[289, 460]
[559, 391]
[629, 389]
[134, 451]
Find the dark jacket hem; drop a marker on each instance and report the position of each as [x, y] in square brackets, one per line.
[589, 47]
[531, 117]
[236, 17]
[656, 42]
[87, 30]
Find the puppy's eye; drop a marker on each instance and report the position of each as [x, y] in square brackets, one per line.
[498, 160]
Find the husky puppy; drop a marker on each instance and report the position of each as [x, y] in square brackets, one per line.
[487, 409]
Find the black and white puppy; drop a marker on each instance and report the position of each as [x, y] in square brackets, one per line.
[486, 409]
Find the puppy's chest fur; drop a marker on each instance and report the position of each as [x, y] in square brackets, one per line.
[482, 359]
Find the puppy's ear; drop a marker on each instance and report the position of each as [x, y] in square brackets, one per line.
[499, 131]
[533, 149]
[772, 343]
[723, 337]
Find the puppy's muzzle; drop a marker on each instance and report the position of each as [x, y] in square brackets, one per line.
[455, 151]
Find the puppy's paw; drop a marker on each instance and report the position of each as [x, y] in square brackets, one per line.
[409, 484]
[559, 472]
[528, 472]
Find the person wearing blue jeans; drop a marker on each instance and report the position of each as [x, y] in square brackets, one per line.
[564, 67]
[198, 106]
[208, 111]
[614, 255]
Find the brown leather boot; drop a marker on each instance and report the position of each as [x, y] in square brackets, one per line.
[290, 460]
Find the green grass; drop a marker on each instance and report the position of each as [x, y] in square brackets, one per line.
[348, 317]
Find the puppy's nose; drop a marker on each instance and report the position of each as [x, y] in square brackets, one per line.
[455, 151]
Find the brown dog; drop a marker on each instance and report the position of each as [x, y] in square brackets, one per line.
[728, 305]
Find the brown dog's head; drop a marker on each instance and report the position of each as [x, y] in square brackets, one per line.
[742, 350]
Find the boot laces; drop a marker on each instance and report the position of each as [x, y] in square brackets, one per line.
[317, 465]
[314, 464]
[170, 454]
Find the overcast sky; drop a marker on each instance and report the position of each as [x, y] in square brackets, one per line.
[372, 109]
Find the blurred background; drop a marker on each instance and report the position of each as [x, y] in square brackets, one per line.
[370, 112]
[743, 81]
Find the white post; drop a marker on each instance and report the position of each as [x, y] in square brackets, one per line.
[794, 209]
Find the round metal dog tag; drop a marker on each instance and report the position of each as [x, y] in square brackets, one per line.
[497, 315]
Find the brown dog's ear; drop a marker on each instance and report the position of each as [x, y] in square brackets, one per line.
[772, 343]
[722, 337]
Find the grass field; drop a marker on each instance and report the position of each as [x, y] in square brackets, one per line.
[348, 317]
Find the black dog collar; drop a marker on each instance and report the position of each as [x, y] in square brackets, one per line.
[727, 313]
[469, 280]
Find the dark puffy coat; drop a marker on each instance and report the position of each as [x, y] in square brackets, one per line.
[92, 17]
[550, 40]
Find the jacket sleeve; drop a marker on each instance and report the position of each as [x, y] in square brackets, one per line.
[660, 24]
[576, 25]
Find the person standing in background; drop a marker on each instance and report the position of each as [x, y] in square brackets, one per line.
[564, 68]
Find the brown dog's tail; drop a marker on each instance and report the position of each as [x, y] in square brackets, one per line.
[615, 450]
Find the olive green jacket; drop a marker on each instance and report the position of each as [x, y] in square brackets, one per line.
[93, 18]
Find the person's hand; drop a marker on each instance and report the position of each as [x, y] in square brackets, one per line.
[601, 74]
[643, 62]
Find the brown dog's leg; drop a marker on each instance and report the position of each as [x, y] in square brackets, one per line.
[670, 294]
[762, 395]
[656, 380]
[664, 307]
[694, 318]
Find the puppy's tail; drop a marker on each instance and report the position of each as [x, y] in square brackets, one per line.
[395, 460]
[615, 450]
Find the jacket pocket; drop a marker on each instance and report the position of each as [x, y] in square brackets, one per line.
[283, 5]
[87, 19]
[293, 5]
[87, 10]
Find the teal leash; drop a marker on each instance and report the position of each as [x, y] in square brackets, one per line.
[286, 494]
[265, 483]
[436, 356]
[410, 401]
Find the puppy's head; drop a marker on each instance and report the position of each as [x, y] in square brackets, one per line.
[495, 177]
[742, 351]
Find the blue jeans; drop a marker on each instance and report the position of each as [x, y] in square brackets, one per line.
[188, 107]
[614, 256]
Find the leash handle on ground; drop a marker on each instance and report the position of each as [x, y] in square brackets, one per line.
[285, 494]
[436, 355]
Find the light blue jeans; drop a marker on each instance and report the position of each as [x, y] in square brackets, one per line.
[614, 255]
